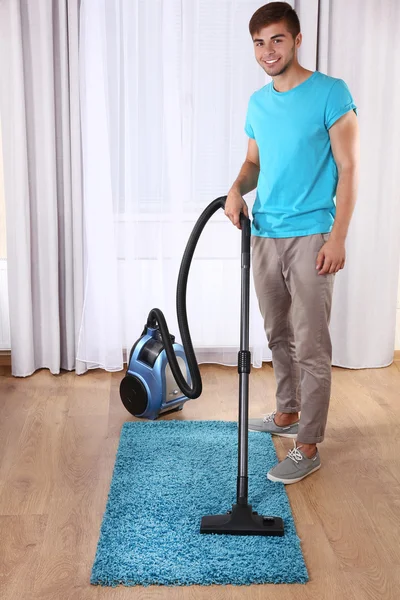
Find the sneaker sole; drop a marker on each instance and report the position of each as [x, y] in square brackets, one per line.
[292, 436]
[287, 481]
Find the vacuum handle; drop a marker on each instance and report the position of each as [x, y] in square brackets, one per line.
[245, 283]
[245, 226]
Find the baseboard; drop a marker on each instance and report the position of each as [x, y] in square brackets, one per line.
[397, 355]
[5, 358]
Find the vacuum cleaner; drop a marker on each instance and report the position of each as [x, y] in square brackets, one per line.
[154, 383]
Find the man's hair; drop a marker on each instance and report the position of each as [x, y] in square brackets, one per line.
[274, 12]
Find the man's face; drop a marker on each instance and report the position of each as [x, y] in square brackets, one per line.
[275, 48]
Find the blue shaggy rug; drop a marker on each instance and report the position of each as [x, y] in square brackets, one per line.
[167, 475]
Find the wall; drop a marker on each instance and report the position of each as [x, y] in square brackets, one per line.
[3, 250]
[397, 340]
[4, 307]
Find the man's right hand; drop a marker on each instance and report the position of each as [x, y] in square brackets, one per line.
[234, 205]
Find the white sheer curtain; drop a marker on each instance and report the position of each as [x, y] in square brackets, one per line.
[164, 92]
[165, 87]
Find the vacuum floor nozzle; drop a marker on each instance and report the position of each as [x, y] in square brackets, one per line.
[242, 520]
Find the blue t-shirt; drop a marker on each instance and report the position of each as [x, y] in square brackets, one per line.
[298, 176]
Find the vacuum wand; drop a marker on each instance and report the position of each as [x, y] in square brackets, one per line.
[244, 361]
[242, 519]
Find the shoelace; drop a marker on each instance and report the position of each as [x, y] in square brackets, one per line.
[295, 454]
[269, 418]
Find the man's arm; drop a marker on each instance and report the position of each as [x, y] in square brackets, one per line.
[246, 182]
[248, 176]
[344, 136]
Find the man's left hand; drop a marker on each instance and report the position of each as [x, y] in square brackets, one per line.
[331, 258]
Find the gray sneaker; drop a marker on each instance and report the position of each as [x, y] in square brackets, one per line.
[294, 467]
[268, 425]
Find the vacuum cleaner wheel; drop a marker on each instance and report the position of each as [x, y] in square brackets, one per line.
[133, 395]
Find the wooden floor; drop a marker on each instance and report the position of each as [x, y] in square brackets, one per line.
[58, 440]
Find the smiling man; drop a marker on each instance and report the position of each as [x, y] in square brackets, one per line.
[303, 153]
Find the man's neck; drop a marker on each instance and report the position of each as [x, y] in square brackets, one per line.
[291, 79]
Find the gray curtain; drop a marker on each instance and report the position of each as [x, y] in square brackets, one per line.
[39, 104]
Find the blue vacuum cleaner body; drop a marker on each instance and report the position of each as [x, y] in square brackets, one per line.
[149, 388]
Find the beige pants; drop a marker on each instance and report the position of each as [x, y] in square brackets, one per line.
[295, 303]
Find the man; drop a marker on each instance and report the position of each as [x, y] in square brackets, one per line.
[303, 150]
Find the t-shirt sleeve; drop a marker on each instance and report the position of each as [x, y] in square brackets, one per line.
[339, 102]
[247, 127]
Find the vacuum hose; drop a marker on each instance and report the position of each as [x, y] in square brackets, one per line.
[156, 315]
